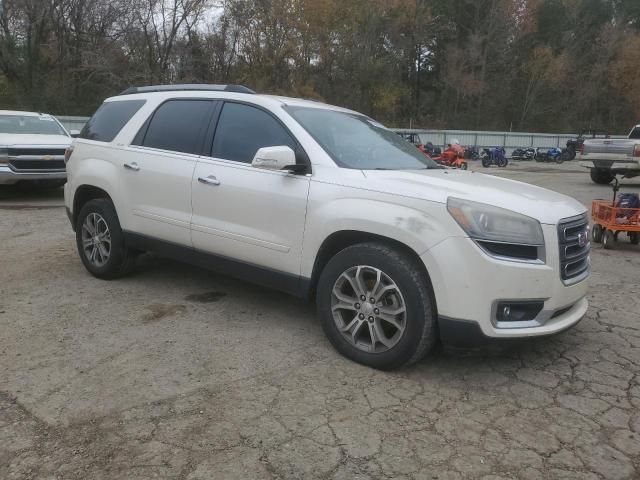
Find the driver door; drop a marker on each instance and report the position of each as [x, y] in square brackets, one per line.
[248, 214]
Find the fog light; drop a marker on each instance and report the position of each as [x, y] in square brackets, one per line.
[518, 311]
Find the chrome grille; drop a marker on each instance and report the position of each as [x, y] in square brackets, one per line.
[36, 159]
[574, 248]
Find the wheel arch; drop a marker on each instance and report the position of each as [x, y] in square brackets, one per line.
[83, 194]
[342, 239]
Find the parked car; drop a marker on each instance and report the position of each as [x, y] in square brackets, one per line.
[607, 157]
[327, 204]
[32, 147]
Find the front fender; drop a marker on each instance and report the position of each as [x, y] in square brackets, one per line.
[418, 224]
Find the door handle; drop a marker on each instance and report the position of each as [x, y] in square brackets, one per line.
[210, 180]
[132, 166]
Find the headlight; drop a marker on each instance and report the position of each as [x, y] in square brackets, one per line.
[485, 223]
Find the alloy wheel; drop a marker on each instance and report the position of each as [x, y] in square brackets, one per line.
[368, 308]
[96, 239]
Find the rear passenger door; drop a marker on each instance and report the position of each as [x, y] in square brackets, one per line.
[246, 213]
[159, 166]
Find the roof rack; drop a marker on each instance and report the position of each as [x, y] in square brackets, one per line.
[187, 87]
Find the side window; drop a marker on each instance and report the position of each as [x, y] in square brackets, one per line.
[243, 129]
[109, 119]
[178, 126]
[635, 134]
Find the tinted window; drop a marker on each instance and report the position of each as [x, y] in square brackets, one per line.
[178, 125]
[243, 129]
[635, 134]
[107, 122]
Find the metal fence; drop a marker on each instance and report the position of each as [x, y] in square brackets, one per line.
[72, 123]
[508, 140]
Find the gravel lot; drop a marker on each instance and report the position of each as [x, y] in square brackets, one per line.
[179, 373]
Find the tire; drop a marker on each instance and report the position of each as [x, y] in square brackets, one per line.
[464, 166]
[412, 290]
[596, 233]
[634, 238]
[117, 260]
[608, 240]
[503, 162]
[566, 156]
[601, 176]
[559, 159]
[486, 162]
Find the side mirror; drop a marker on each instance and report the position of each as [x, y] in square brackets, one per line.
[74, 133]
[275, 158]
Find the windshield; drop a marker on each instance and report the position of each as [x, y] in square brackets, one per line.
[355, 141]
[40, 125]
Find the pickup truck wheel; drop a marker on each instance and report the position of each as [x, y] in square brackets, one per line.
[376, 307]
[596, 233]
[100, 241]
[608, 240]
[601, 176]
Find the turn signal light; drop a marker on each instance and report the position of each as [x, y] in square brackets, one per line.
[636, 150]
[67, 154]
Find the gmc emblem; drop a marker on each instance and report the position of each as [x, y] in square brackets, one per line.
[583, 239]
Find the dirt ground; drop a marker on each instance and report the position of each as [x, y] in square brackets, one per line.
[176, 372]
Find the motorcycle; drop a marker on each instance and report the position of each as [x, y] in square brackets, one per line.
[549, 155]
[494, 156]
[452, 157]
[471, 153]
[523, 154]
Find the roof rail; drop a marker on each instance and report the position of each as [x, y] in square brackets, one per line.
[187, 87]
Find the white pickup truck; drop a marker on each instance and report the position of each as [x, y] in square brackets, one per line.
[32, 147]
[607, 157]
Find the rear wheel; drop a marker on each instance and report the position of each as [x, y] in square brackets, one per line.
[100, 241]
[376, 306]
[608, 240]
[634, 238]
[601, 176]
[486, 162]
[596, 233]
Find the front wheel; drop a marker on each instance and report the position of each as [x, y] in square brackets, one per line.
[601, 176]
[503, 162]
[464, 166]
[608, 240]
[596, 233]
[559, 159]
[100, 241]
[376, 306]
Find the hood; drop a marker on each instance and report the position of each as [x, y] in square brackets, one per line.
[437, 185]
[11, 139]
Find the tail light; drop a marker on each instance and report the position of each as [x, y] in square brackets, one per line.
[636, 150]
[581, 148]
[67, 154]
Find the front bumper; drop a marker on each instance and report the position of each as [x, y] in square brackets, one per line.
[8, 176]
[468, 284]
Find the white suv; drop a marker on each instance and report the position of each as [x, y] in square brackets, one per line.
[325, 203]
